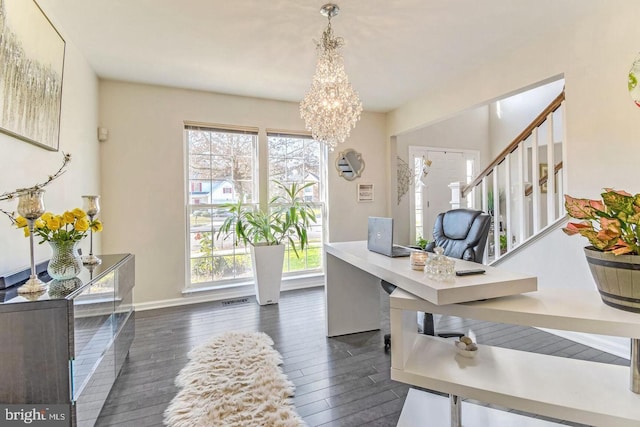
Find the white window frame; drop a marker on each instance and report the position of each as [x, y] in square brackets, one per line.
[322, 190]
[239, 250]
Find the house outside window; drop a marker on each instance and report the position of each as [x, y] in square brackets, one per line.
[221, 169]
[223, 166]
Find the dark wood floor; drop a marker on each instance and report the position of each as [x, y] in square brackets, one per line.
[340, 381]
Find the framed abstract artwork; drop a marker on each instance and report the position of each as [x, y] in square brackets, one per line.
[32, 64]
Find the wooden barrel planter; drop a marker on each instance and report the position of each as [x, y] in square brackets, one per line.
[617, 278]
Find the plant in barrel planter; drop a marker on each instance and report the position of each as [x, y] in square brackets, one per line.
[266, 233]
[611, 226]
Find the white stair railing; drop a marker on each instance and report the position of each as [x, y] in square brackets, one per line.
[522, 193]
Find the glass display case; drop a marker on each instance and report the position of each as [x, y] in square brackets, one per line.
[78, 331]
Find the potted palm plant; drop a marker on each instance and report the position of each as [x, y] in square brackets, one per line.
[267, 232]
[612, 226]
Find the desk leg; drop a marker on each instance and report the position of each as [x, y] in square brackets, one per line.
[635, 365]
[456, 410]
[352, 298]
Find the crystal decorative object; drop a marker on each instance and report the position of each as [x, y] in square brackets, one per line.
[331, 107]
[65, 262]
[92, 208]
[438, 267]
[31, 207]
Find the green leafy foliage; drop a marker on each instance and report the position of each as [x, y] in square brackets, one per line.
[422, 242]
[287, 221]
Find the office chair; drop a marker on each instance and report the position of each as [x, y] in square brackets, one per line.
[462, 233]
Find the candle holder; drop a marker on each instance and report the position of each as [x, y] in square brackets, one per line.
[92, 208]
[31, 207]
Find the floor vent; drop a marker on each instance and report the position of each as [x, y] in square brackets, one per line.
[234, 301]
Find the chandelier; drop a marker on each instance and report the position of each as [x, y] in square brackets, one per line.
[331, 107]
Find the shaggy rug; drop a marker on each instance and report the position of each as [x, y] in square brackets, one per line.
[234, 380]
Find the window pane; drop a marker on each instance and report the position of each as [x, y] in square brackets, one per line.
[199, 142]
[221, 170]
[299, 159]
[243, 168]
[199, 166]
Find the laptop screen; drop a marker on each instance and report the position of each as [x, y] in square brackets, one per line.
[380, 237]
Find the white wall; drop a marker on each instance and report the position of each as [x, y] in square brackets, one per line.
[510, 116]
[595, 57]
[23, 164]
[468, 130]
[144, 176]
[558, 274]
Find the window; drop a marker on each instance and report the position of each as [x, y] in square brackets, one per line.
[222, 164]
[296, 158]
[222, 168]
[418, 189]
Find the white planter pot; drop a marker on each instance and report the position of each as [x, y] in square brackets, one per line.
[267, 272]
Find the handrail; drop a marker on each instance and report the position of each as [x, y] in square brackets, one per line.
[553, 106]
[543, 179]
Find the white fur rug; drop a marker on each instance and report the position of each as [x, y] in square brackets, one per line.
[234, 380]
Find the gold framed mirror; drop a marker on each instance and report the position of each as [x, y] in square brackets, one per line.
[349, 164]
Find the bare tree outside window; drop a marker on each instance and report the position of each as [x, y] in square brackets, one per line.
[221, 170]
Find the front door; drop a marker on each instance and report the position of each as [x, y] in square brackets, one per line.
[431, 195]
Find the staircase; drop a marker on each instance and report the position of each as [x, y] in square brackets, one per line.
[529, 193]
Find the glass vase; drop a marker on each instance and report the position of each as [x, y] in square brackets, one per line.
[65, 260]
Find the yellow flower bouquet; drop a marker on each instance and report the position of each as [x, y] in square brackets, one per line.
[71, 226]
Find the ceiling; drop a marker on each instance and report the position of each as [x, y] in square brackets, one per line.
[395, 50]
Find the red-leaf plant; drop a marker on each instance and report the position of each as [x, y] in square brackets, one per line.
[611, 225]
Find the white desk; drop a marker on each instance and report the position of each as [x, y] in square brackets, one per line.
[569, 389]
[352, 285]
[576, 390]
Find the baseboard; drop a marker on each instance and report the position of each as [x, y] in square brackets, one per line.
[199, 296]
[614, 345]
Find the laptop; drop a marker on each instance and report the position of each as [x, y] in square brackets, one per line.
[380, 238]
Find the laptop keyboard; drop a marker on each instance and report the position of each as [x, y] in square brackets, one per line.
[400, 251]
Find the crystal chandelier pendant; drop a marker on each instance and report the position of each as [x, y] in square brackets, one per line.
[331, 107]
